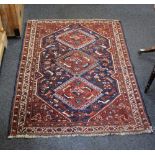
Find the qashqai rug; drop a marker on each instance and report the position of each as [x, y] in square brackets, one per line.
[75, 78]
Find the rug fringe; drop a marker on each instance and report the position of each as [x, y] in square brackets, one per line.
[53, 20]
[149, 130]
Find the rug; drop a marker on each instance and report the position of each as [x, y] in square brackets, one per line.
[75, 78]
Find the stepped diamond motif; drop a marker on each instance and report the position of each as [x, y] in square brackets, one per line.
[76, 62]
[78, 93]
[75, 39]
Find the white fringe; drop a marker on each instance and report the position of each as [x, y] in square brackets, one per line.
[63, 20]
[149, 130]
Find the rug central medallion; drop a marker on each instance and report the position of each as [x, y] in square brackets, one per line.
[78, 93]
[75, 38]
[76, 62]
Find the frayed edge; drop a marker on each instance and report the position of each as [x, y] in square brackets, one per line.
[63, 20]
[149, 130]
